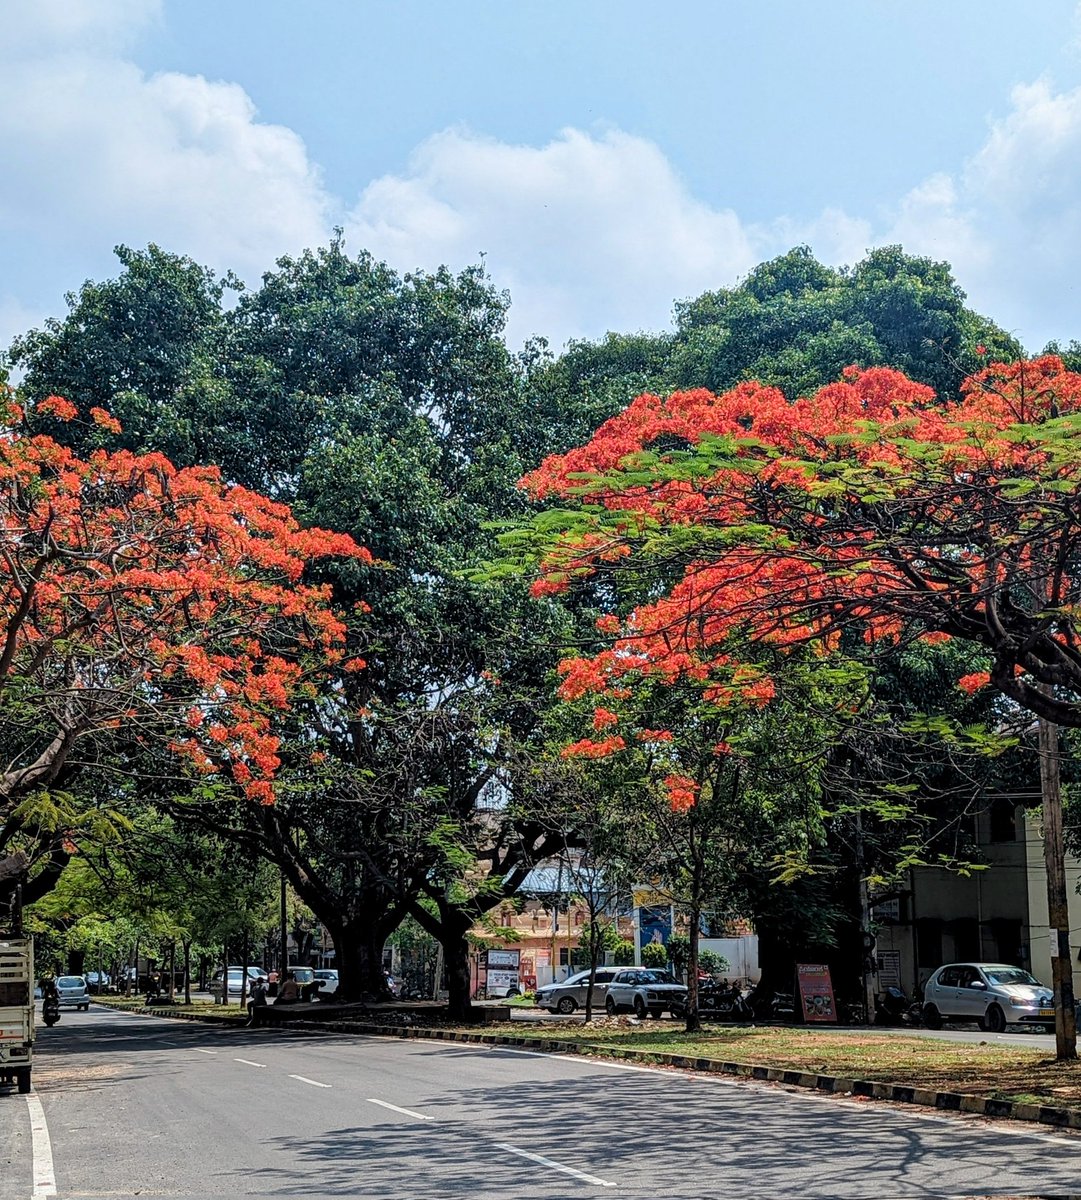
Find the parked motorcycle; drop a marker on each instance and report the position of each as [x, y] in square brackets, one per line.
[893, 1007]
[724, 1001]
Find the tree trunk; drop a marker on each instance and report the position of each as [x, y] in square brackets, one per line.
[172, 972]
[456, 965]
[1058, 900]
[187, 970]
[359, 958]
[694, 1018]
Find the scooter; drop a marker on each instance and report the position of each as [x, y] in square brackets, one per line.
[50, 1010]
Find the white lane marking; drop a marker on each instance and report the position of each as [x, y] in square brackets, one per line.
[198, 1051]
[394, 1108]
[582, 1060]
[165, 1043]
[41, 1143]
[554, 1166]
[248, 1062]
[313, 1082]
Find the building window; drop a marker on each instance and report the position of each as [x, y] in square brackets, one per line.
[1003, 815]
[929, 943]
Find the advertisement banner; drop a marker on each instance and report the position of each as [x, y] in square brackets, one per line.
[507, 959]
[816, 992]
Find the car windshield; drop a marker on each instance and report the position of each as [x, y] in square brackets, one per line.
[70, 981]
[659, 977]
[1008, 975]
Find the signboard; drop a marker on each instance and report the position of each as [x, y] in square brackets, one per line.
[815, 992]
[498, 982]
[889, 968]
[504, 959]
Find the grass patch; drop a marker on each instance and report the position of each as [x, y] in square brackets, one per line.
[197, 1007]
[1004, 1072]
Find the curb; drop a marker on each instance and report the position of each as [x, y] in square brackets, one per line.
[984, 1106]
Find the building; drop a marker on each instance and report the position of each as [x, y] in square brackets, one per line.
[998, 914]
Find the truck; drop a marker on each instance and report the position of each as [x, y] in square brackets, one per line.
[16, 1010]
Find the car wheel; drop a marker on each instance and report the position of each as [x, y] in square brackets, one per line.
[995, 1020]
[932, 1018]
[609, 1006]
[639, 1008]
[23, 1079]
[567, 1005]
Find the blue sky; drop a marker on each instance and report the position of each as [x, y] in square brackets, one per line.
[607, 157]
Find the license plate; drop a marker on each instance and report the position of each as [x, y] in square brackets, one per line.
[1047, 1012]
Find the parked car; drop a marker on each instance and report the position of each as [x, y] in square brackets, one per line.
[97, 982]
[993, 995]
[570, 994]
[645, 990]
[73, 993]
[236, 980]
[327, 981]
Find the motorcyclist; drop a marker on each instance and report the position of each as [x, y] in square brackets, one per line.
[49, 991]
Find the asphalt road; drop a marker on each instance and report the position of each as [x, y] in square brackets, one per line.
[144, 1106]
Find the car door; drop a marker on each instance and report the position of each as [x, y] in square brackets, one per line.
[971, 1001]
[946, 989]
[600, 987]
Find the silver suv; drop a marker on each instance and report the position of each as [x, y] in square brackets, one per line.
[645, 991]
[993, 995]
[565, 997]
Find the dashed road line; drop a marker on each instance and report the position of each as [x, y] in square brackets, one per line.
[552, 1165]
[199, 1050]
[42, 1149]
[408, 1112]
[313, 1082]
[248, 1062]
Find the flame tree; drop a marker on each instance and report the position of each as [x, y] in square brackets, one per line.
[869, 506]
[147, 606]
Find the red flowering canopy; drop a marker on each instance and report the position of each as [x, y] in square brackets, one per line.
[870, 503]
[136, 594]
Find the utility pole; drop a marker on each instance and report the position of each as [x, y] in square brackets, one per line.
[284, 938]
[1058, 901]
[867, 939]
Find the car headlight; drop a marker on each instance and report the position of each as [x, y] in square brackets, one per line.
[1015, 1003]
[652, 996]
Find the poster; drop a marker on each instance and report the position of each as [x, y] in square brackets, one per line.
[815, 992]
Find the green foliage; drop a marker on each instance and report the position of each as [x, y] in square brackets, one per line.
[654, 955]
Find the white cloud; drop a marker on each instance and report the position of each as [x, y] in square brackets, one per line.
[1009, 221]
[97, 152]
[592, 231]
[47, 25]
[589, 233]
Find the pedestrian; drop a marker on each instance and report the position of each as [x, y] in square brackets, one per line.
[258, 1000]
[289, 992]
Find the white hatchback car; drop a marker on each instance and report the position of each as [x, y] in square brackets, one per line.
[993, 995]
[73, 993]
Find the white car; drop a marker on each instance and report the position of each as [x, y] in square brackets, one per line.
[327, 981]
[570, 994]
[646, 991]
[993, 995]
[73, 993]
[236, 981]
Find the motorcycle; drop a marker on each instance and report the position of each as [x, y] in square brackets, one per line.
[892, 1007]
[50, 1010]
[724, 1001]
